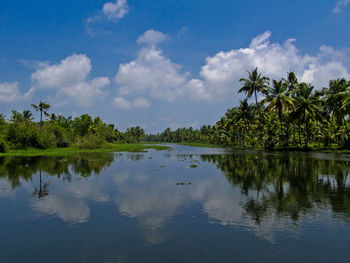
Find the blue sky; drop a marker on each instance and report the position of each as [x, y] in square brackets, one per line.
[162, 63]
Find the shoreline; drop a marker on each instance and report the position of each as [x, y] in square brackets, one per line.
[315, 149]
[135, 147]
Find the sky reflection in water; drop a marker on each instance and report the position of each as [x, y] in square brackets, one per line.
[187, 204]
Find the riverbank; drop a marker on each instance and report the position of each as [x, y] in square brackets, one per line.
[313, 148]
[126, 147]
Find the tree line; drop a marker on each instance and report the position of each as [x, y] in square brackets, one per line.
[281, 113]
[20, 131]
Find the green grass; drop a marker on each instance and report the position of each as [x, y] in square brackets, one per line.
[70, 150]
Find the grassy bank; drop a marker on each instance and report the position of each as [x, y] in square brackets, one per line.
[71, 150]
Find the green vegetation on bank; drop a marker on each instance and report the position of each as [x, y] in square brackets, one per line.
[53, 135]
[280, 114]
[127, 147]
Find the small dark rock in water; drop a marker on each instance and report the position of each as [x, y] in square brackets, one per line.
[194, 166]
[150, 157]
[180, 183]
[189, 183]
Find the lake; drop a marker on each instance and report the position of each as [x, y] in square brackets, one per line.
[187, 204]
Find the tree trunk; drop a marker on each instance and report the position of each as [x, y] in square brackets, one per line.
[239, 138]
[346, 127]
[41, 120]
[307, 134]
[293, 133]
[261, 119]
[281, 127]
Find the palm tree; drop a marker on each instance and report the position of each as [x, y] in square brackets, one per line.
[278, 100]
[27, 115]
[306, 107]
[336, 97]
[42, 107]
[291, 81]
[254, 84]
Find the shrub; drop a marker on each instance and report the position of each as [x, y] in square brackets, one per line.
[24, 135]
[59, 133]
[3, 145]
[90, 142]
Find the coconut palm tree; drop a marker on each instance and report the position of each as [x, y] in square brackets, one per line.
[27, 115]
[253, 85]
[42, 107]
[291, 81]
[336, 97]
[278, 100]
[306, 107]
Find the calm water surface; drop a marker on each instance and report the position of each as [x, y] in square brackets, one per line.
[183, 205]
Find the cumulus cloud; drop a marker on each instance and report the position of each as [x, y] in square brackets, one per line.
[152, 38]
[139, 102]
[71, 70]
[121, 103]
[9, 92]
[151, 73]
[112, 11]
[220, 75]
[115, 10]
[69, 79]
[340, 5]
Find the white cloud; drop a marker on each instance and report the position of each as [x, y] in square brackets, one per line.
[9, 92]
[115, 10]
[221, 73]
[139, 102]
[340, 5]
[70, 71]
[152, 38]
[85, 93]
[151, 73]
[111, 11]
[121, 103]
[69, 79]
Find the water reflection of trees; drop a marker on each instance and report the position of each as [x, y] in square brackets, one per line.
[287, 184]
[17, 169]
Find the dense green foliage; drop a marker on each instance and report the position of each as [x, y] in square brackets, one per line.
[289, 115]
[21, 132]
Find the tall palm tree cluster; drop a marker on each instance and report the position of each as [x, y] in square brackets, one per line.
[283, 113]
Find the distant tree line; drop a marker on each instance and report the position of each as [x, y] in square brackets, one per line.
[20, 131]
[289, 114]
